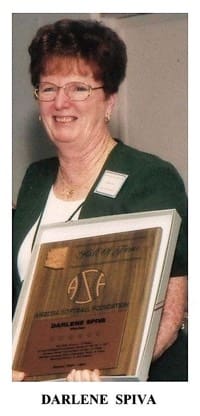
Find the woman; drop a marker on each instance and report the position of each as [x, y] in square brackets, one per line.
[76, 69]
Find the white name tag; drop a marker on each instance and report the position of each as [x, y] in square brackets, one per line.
[110, 183]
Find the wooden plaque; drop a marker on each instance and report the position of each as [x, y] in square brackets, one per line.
[88, 301]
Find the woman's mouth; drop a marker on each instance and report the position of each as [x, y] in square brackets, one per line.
[65, 119]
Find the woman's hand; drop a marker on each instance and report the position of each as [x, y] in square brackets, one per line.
[18, 375]
[83, 375]
[173, 315]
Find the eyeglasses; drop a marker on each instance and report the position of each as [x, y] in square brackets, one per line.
[75, 91]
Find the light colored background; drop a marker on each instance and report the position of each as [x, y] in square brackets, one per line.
[151, 114]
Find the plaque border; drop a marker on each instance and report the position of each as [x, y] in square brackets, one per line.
[168, 220]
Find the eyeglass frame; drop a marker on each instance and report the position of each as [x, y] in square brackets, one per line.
[90, 89]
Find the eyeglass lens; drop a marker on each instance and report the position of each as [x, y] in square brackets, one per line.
[75, 91]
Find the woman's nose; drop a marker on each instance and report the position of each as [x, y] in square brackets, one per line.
[61, 99]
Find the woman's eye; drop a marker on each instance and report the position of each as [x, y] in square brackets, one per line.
[80, 88]
[47, 89]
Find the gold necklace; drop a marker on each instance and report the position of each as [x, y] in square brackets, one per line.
[67, 192]
[79, 191]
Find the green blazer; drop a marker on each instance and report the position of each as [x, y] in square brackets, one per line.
[152, 184]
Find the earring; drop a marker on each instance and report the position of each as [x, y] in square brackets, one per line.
[107, 117]
[39, 117]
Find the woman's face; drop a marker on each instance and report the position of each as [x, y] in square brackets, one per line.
[77, 122]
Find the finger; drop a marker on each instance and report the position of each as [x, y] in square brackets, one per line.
[95, 376]
[70, 376]
[78, 375]
[83, 375]
[87, 375]
[18, 375]
[75, 375]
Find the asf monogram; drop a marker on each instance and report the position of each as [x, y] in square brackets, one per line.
[86, 286]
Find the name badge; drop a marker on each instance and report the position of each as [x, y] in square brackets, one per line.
[110, 183]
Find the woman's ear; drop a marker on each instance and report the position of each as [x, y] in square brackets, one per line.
[111, 100]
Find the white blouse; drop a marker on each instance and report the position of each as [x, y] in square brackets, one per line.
[56, 210]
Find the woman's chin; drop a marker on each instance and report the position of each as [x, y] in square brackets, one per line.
[63, 140]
